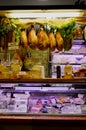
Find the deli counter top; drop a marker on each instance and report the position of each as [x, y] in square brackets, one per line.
[29, 118]
[45, 80]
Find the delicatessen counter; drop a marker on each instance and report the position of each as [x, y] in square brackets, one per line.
[42, 66]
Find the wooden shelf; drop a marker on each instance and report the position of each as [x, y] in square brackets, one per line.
[45, 80]
[42, 117]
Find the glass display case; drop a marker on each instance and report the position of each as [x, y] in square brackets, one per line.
[29, 88]
[50, 97]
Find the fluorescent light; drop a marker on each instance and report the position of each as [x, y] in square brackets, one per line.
[44, 15]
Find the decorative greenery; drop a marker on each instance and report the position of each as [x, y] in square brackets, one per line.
[7, 24]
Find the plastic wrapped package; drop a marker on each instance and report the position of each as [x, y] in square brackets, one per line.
[58, 104]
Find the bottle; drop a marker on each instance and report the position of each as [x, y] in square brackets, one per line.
[85, 33]
[58, 71]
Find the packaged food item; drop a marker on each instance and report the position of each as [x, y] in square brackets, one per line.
[83, 108]
[3, 68]
[68, 70]
[23, 75]
[78, 33]
[67, 77]
[39, 69]
[80, 72]
[71, 109]
[21, 105]
[6, 75]
[36, 108]
[4, 72]
[11, 105]
[18, 104]
[79, 101]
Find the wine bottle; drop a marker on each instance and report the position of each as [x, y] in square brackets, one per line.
[58, 71]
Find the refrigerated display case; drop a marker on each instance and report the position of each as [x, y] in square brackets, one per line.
[43, 99]
[33, 97]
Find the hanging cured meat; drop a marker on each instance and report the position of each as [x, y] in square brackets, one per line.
[43, 40]
[2, 41]
[60, 41]
[52, 41]
[68, 42]
[32, 39]
[52, 34]
[11, 36]
[23, 36]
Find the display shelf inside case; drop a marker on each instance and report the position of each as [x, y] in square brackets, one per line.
[41, 99]
[79, 42]
[75, 57]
